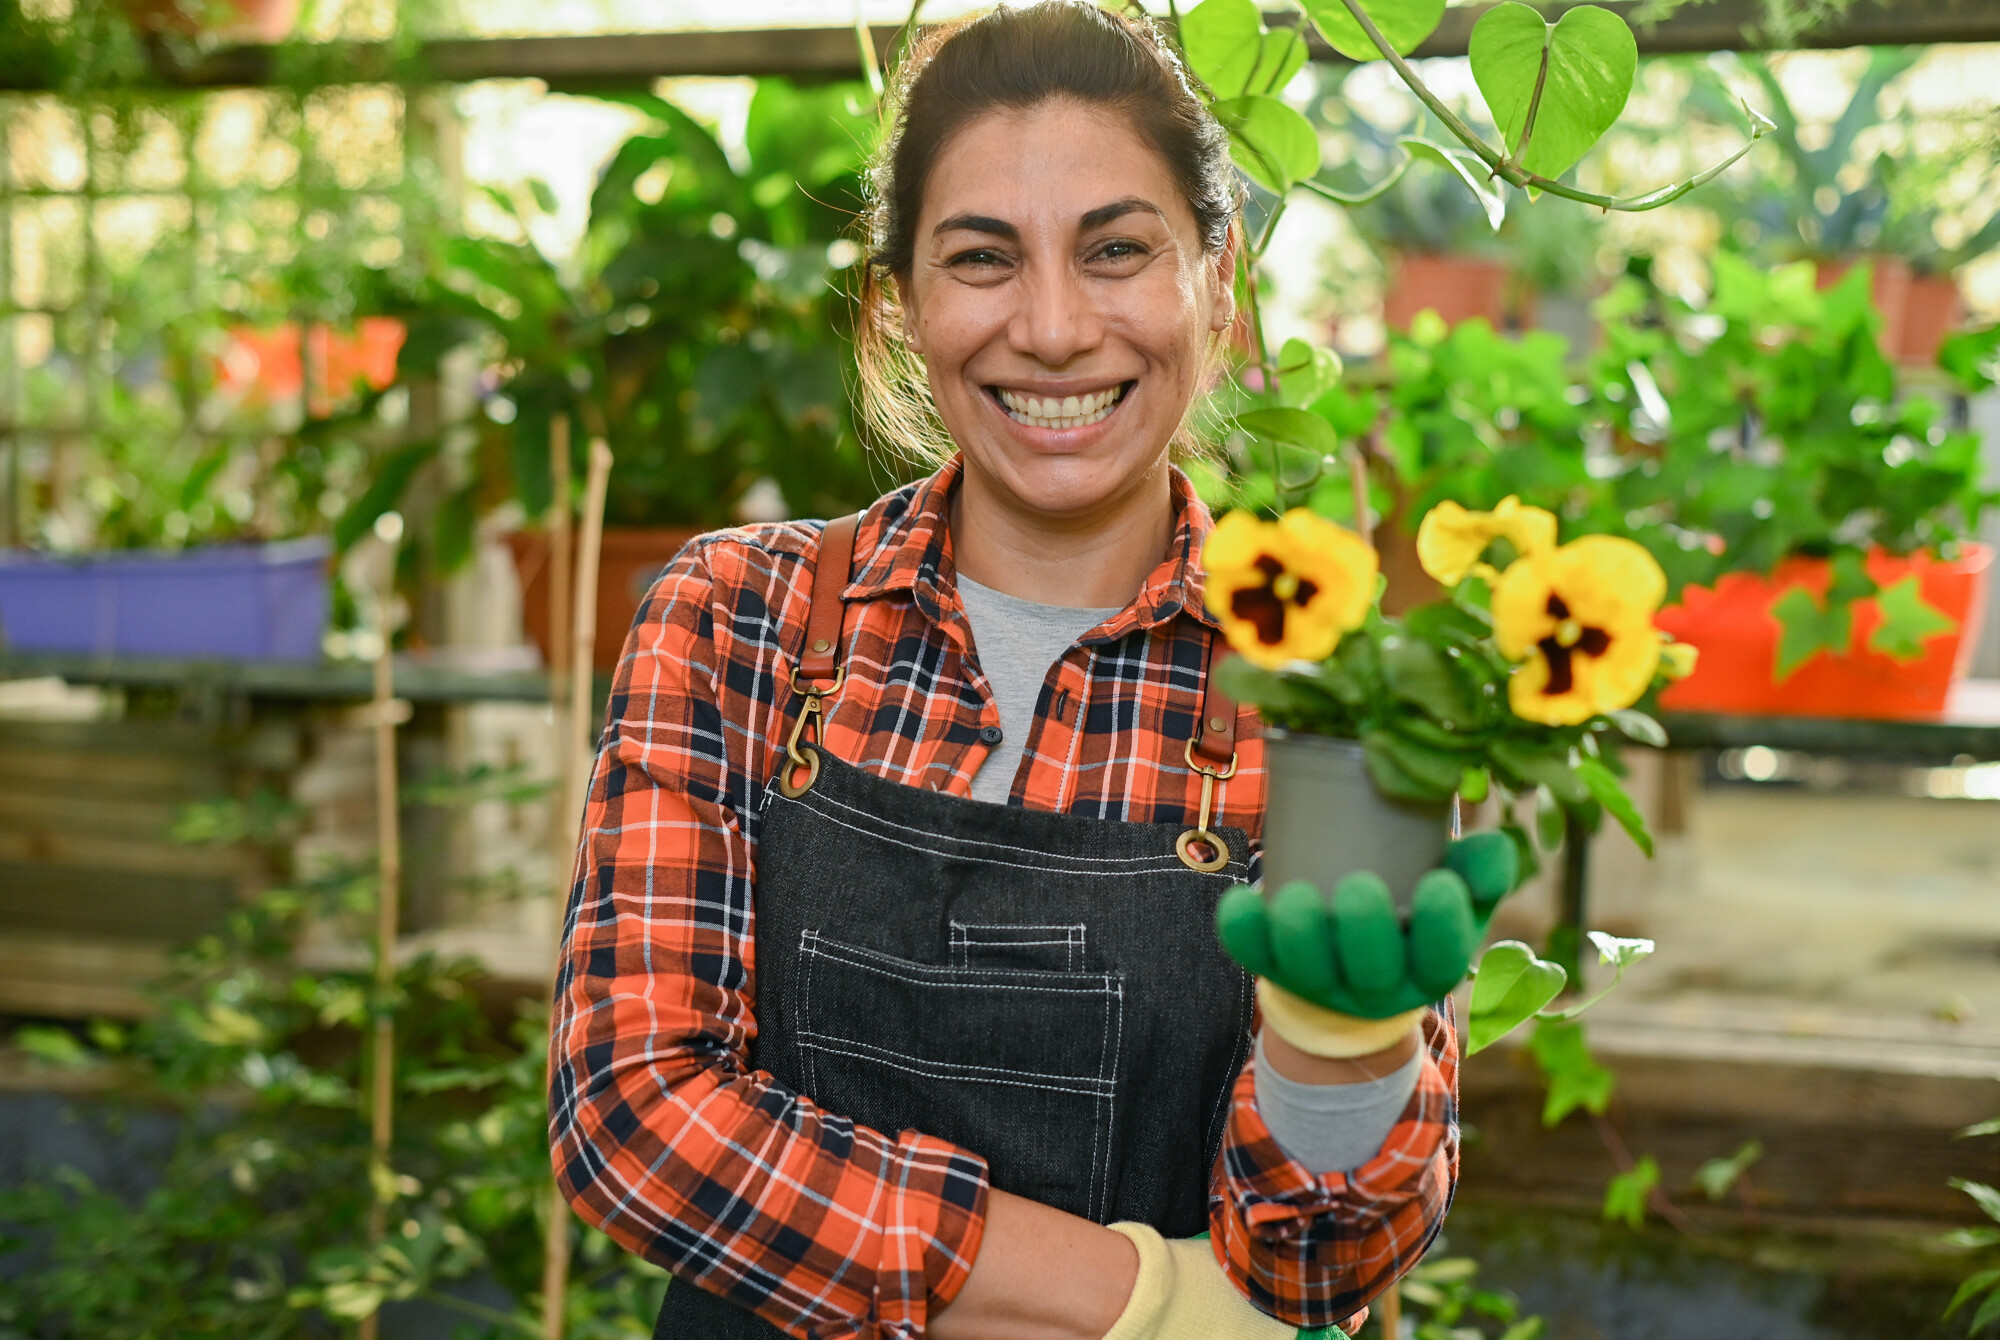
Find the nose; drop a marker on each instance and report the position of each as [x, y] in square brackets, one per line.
[1056, 321]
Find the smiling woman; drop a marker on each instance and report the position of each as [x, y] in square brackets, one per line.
[847, 1046]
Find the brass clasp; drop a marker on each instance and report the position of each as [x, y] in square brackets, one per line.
[810, 709]
[1184, 844]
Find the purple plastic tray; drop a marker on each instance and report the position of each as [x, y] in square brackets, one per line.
[257, 602]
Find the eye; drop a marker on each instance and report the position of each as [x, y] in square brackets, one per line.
[977, 258]
[1119, 253]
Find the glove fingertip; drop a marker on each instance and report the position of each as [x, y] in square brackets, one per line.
[1243, 924]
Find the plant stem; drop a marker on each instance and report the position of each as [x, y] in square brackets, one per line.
[1534, 105]
[1505, 168]
[1270, 228]
[1353, 198]
[1614, 1144]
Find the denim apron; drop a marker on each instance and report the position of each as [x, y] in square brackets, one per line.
[1045, 990]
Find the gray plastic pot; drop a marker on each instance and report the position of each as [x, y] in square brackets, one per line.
[1324, 819]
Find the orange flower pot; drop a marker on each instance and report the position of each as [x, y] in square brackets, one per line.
[1737, 635]
[1932, 309]
[1458, 288]
[632, 557]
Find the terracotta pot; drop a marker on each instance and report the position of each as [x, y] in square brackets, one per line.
[1738, 637]
[1456, 287]
[1324, 819]
[1931, 309]
[631, 559]
[265, 21]
[1888, 286]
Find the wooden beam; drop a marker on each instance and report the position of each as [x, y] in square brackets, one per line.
[633, 60]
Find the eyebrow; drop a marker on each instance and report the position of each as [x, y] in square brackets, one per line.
[1096, 218]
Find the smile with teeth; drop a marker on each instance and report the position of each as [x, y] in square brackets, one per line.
[1076, 411]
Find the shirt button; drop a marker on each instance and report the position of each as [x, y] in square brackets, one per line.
[990, 734]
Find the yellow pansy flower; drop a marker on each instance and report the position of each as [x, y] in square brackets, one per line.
[1452, 541]
[1286, 590]
[1580, 619]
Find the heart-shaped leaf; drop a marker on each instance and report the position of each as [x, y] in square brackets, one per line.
[1293, 427]
[1582, 65]
[1404, 24]
[1306, 372]
[1275, 145]
[1616, 951]
[1230, 50]
[1469, 170]
[1511, 987]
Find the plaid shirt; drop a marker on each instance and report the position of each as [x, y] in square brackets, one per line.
[664, 1136]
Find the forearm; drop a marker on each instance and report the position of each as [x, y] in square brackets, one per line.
[1041, 1274]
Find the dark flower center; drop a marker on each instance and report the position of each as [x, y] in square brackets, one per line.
[1263, 608]
[1569, 638]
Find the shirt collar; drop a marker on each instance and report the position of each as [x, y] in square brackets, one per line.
[904, 544]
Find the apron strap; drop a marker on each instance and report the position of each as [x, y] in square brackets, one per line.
[830, 574]
[1215, 733]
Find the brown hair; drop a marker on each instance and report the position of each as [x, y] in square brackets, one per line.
[1014, 59]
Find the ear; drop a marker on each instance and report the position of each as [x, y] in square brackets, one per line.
[1222, 276]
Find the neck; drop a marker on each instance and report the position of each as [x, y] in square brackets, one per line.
[1095, 558]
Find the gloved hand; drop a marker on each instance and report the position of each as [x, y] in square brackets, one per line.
[1340, 961]
[1183, 1293]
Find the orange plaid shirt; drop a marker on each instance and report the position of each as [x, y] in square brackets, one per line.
[666, 1138]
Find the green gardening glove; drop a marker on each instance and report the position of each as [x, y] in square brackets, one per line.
[1352, 954]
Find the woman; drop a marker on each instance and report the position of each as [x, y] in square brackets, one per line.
[890, 972]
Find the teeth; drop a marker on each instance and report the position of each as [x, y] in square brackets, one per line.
[1068, 412]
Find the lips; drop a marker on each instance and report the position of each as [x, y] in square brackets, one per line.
[1075, 411]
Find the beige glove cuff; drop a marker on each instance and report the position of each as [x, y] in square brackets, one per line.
[1181, 1293]
[1321, 1032]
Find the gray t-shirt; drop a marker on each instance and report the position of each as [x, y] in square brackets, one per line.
[1017, 641]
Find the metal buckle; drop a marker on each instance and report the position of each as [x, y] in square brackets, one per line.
[1200, 832]
[794, 760]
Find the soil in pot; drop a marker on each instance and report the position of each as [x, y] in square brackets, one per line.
[1324, 819]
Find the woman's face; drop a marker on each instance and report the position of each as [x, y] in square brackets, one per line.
[1062, 303]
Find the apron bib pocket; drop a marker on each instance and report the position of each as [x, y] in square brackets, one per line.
[948, 1050]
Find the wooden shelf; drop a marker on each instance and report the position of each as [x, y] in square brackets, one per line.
[633, 60]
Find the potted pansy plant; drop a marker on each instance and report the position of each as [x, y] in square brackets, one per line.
[1515, 685]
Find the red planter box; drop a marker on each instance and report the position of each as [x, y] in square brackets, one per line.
[1458, 288]
[1738, 637]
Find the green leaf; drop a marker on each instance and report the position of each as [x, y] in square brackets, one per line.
[1971, 1287]
[1473, 784]
[1717, 1176]
[1421, 675]
[1550, 822]
[1982, 1195]
[1606, 791]
[53, 1046]
[1293, 427]
[1407, 770]
[1637, 726]
[1546, 765]
[1510, 988]
[1807, 629]
[1989, 1312]
[1590, 57]
[1404, 24]
[1908, 621]
[1626, 1196]
[1275, 145]
[1989, 1127]
[1575, 1079]
[1467, 168]
[1528, 1328]
[1973, 357]
[382, 493]
[1969, 1239]
[1230, 50]
[1306, 371]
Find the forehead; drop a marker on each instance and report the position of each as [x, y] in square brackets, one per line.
[1046, 166]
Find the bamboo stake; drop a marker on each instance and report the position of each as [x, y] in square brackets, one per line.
[385, 714]
[559, 555]
[573, 757]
